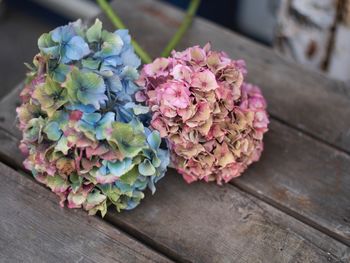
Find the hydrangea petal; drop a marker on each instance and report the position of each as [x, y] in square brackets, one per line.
[146, 168]
[77, 48]
[93, 34]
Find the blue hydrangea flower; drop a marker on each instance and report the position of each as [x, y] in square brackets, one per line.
[84, 135]
[64, 43]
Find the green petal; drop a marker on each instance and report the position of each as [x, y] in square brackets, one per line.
[72, 84]
[146, 168]
[130, 177]
[57, 183]
[62, 145]
[76, 181]
[92, 81]
[129, 140]
[53, 131]
[59, 74]
[93, 34]
[96, 202]
[156, 161]
[47, 45]
[91, 63]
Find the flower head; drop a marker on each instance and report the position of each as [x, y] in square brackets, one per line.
[83, 134]
[213, 121]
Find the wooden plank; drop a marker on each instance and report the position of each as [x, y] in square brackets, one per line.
[207, 223]
[8, 105]
[34, 229]
[300, 97]
[305, 178]
[232, 222]
[278, 177]
[166, 237]
[288, 176]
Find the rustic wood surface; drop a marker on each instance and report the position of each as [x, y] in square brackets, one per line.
[34, 229]
[300, 175]
[226, 219]
[300, 172]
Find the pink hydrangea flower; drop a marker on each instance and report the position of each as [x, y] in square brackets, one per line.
[174, 95]
[213, 120]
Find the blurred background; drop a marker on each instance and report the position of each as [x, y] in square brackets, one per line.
[315, 33]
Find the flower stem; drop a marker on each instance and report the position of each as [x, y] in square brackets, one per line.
[118, 23]
[191, 11]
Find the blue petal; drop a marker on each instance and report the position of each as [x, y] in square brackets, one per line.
[119, 168]
[52, 51]
[81, 107]
[132, 204]
[91, 117]
[141, 183]
[94, 99]
[124, 35]
[130, 58]
[114, 83]
[53, 131]
[154, 140]
[60, 73]
[129, 73]
[151, 184]
[163, 155]
[77, 48]
[123, 187]
[63, 33]
[105, 122]
[102, 170]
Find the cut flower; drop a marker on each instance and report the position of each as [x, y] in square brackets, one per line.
[84, 136]
[214, 122]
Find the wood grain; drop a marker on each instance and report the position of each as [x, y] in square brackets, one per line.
[300, 97]
[35, 229]
[232, 225]
[284, 176]
[305, 178]
[206, 223]
[192, 223]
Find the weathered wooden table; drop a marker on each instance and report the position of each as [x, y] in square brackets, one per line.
[292, 206]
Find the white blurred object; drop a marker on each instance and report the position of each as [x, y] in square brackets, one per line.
[305, 30]
[72, 9]
[339, 66]
[320, 12]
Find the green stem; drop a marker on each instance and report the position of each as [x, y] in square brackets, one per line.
[191, 12]
[118, 23]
